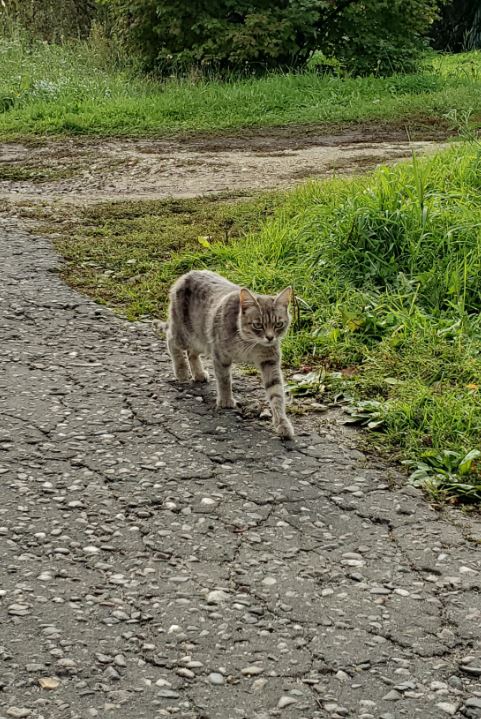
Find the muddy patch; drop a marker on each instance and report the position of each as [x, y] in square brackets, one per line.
[79, 170]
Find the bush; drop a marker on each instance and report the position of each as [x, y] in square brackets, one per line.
[384, 36]
[381, 36]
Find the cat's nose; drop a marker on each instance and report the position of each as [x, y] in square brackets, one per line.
[269, 336]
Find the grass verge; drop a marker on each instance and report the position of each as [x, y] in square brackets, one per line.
[389, 270]
[76, 89]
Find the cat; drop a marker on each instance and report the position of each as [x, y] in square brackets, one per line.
[208, 315]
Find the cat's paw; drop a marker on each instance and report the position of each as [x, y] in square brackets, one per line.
[226, 403]
[284, 429]
[201, 376]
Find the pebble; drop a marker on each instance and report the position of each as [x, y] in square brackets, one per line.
[473, 703]
[217, 597]
[447, 708]
[216, 678]
[103, 658]
[90, 549]
[285, 701]
[119, 660]
[35, 667]
[18, 610]
[167, 694]
[252, 670]
[269, 581]
[392, 696]
[18, 712]
[469, 669]
[45, 577]
[112, 673]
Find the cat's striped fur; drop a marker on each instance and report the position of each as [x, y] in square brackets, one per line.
[208, 315]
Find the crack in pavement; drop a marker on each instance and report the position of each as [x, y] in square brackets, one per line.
[163, 559]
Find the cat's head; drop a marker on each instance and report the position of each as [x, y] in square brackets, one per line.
[264, 319]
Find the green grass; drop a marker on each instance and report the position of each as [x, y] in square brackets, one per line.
[114, 251]
[389, 270]
[78, 88]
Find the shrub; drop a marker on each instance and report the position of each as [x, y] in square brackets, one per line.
[255, 35]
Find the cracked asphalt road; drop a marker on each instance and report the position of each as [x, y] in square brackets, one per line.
[160, 559]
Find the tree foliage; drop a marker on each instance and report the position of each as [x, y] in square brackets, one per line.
[255, 35]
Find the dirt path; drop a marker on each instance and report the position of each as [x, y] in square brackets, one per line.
[73, 170]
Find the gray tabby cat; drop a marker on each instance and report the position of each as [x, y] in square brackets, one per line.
[208, 315]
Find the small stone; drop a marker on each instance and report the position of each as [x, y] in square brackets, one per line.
[455, 682]
[66, 666]
[216, 678]
[49, 682]
[18, 610]
[392, 696]
[252, 670]
[447, 708]
[35, 667]
[285, 702]
[217, 597]
[168, 694]
[90, 549]
[112, 673]
[184, 672]
[208, 501]
[119, 660]
[436, 685]
[18, 712]
[469, 669]
[269, 581]
[473, 703]
[103, 658]
[162, 683]
[259, 684]
[405, 686]
[45, 577]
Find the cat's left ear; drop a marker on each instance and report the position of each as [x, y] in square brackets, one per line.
[247, 299]
[284, 297]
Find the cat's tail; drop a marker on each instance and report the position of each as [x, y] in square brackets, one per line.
[160, 327]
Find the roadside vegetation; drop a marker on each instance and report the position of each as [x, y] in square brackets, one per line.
[77, 88]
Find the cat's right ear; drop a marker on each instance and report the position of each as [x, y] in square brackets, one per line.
[247, 299]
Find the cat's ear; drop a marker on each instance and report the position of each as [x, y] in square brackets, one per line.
[284, 297]
[247, 299]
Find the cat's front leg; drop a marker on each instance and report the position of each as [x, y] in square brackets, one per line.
[222, 369]
[274, 387]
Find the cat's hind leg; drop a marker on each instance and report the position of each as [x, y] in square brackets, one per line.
[198, 372]
[179, 360]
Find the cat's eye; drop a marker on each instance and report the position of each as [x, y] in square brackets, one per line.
[279, 325]
[257, 325]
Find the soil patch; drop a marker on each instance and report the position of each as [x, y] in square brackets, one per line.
[88, 170]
